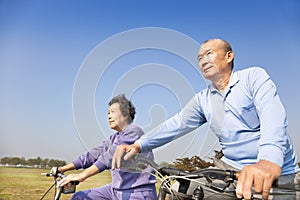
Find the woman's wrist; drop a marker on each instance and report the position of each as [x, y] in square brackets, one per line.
[60, 169]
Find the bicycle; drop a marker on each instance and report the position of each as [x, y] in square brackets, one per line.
[209, 183]
[176, 184]
[66, 189]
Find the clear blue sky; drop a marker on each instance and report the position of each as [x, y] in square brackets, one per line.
[44, 46]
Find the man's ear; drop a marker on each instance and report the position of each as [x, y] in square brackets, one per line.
[229, 56]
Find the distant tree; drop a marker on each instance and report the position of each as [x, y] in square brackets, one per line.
[23, 161]
[60, 162]
[195, 163]
[5, 160]
[15, 161]
[191, 164]
[44, 163]
[38, 161]
[33, 162]
[55, 163]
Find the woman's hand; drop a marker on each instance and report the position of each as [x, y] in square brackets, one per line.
[92, 170]
[71, 177]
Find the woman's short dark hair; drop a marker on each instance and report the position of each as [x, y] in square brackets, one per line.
[126, 107]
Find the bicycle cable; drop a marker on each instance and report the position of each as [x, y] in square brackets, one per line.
[47, 191]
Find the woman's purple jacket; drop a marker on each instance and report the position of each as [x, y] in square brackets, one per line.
[101, 157]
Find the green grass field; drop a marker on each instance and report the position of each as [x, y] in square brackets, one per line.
[21, 183]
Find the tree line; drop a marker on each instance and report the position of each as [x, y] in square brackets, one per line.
[31, 162]
[187, 164]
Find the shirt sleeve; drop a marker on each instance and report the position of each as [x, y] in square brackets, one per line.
[273, 121]
[89, 158]
[190, 118]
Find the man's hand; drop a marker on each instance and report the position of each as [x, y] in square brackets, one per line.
[126, 151]
[260, 175]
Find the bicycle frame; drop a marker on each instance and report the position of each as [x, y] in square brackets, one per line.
[204, 183]
[188, 185]
[197, 185]
[209, 183]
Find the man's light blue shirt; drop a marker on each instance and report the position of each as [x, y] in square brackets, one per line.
[249, 120]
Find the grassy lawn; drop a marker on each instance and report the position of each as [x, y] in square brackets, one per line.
[21, 183]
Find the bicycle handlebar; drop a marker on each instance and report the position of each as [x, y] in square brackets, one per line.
[59, 175]
[210, 173]
[66, 189]
[56, 175]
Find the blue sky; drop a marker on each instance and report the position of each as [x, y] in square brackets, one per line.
[44, 46]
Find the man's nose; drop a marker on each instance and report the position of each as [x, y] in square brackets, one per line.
[204, 61]
[202, 64]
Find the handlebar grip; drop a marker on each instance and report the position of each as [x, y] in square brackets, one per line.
[76, 182]
[172, 172]
[233, 174]
[46, 174]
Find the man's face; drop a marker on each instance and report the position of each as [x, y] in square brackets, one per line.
[213, 60]
[115, 118]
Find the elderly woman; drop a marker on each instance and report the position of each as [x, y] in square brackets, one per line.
[125, 185]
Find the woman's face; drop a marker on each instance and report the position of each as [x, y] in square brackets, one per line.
[116, 119]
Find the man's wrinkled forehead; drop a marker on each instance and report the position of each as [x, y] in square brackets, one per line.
[210, 45]
[204, 48]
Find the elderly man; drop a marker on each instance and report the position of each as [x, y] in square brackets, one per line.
[244, 110]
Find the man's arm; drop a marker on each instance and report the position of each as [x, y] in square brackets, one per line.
[273, 139]
[190, 118]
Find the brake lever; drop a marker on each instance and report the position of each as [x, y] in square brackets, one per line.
[219, 179]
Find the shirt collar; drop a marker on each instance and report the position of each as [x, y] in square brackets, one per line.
[234, 78]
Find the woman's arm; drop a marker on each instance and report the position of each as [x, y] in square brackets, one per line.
[82, 176]
[67, 167]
